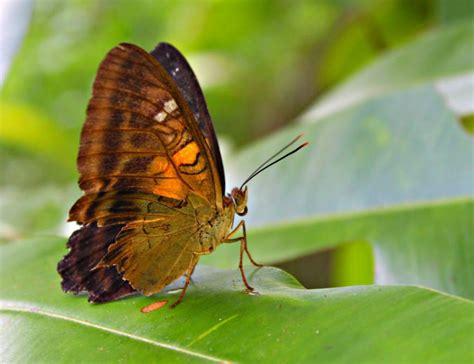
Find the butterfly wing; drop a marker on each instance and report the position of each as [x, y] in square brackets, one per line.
[154, 247]
[140, 133]
[87, 247]
[177, 66]
[142, 155]
[153, 253]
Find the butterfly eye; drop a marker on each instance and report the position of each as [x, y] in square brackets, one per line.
[243, 213]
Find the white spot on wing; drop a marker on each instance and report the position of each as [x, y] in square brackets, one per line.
[160, 117]
[170, 106]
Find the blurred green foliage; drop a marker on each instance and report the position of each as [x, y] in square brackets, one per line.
[353, 264]
[279, 55]
[261, 64]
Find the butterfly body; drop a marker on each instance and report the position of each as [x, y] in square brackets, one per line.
[151, 171]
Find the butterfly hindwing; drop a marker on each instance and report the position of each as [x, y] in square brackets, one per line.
[87, 247]
[152, 254]
[118, 207]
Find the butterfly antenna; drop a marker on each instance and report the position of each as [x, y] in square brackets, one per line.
[275, 155]
[264, 165]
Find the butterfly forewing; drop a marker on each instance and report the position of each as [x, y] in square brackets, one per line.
[177, 66]
[140, 134]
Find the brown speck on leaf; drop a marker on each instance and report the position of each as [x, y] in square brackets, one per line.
[154, 306]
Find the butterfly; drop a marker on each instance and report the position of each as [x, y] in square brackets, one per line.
[153, 180]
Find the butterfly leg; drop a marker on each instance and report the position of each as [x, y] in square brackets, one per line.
[243, 248]
[247, 248]
[190, 271]
[242, 224]
[190, 274]
[241, 266]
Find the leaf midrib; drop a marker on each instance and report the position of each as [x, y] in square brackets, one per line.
[12, 306]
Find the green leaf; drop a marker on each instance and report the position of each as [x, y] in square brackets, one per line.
[343, 270]
[426, 244]
[25, 127]
[402, 158]
[401, 148]
[453, 10]
[218, 322]
[440, 54]
[38, 210]
[403, 151]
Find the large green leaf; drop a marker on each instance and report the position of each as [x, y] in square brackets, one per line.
[404, 150]
[426, 244]
[401, 148]
[437, 55]
[218, 322]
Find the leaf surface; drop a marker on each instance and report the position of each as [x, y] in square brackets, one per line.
[393, 168]
[218, 322]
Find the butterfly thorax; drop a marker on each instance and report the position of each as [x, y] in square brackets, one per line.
[213, 225]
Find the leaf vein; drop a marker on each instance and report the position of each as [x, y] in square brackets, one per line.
[8, 306]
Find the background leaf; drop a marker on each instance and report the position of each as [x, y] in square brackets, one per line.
[429, 244]
[440, 54]
[403, 147]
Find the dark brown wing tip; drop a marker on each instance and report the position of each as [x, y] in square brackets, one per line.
[87, 247]
[164, 46]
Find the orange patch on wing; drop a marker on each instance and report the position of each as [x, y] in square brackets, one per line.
[172, 188]
[159, 166]
[186, 155]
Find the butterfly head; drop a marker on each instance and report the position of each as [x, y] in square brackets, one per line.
[239, 199]
[239, 196]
